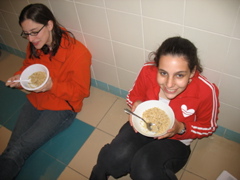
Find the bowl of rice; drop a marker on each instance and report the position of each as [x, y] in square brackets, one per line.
[37, 74]
[157, 112]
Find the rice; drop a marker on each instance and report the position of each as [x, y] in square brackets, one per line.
[37, 78]
[159, 117]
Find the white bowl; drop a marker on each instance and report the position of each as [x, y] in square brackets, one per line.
[139, 125]
[28, 72]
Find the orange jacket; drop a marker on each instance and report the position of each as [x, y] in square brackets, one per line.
[70, 73]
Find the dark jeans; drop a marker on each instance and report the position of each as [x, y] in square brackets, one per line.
[32, 130]
[142, 157]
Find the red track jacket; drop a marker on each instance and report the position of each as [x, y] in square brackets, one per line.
[197, 106]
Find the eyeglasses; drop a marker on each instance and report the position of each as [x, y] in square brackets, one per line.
[25, 35]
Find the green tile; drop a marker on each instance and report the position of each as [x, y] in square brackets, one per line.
[2, 84]
[220, 131]
[101, 85]
[114, 90]
[233, 136]
[11, 101]
[10, 123]
[41, 166]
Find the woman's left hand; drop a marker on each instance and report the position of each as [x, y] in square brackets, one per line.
[177, 127]
[46, 87]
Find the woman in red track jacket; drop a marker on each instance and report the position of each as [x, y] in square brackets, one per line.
[174, 78]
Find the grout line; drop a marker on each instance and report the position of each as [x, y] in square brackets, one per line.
[106, 113]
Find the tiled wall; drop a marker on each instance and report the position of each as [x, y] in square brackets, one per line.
[121, 33]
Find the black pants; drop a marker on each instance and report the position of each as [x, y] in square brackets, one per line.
[142, 157]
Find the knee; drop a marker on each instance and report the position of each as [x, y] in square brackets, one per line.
[113, 161]
[152, 174]
[141, 169]
[140, 173]
[111, 157]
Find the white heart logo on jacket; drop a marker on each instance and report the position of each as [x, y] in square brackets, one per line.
[187, 112]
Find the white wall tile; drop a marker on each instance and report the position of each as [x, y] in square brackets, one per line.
[126, 79]
[128, 57]
[215, 15]
[232, 62]
[167, 10]
[212, 76]
[132, 6]
[125, 28]
[229, 117]
[79, 36]
[65, 13]
[12, 22]
[8, 38]
[92, 2]
[45, 2]
[3, 24]
[105, 73]
[1, 39]
[155, 32]
[93, 20]
[18, 5]
[101, 49]
[6, 6]
[229, 91]
[212, 48]
[21, 42]
[236, 32]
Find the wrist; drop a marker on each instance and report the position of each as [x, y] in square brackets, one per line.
[183, 129]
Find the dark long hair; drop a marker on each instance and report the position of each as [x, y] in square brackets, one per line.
[180, 47]
[41, 14]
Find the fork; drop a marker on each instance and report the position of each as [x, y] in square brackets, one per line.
[148, 124]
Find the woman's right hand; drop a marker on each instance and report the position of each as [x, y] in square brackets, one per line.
[11, 83]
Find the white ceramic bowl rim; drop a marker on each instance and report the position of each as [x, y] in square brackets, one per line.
[29, 71]
[138, 124]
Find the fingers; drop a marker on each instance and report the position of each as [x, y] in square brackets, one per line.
[11, 83]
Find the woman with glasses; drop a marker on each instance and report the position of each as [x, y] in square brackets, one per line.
[52, 108]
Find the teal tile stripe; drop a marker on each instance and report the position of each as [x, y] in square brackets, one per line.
[221, 131]
[11, 100]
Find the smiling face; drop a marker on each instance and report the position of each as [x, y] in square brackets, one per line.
[173, 75]
[42, 38]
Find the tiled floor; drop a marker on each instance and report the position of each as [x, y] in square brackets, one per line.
[72, 154]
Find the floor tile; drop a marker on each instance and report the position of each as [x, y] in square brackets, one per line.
[4, 138]
[127, 177]
[69, 174]
[9, 64]
[214, 154]
[96, 106]
[180, 173]
[115, 118]
[190, 176]
[86, 157]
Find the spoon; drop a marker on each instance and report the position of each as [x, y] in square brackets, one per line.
[150, 126]
[24, 80]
